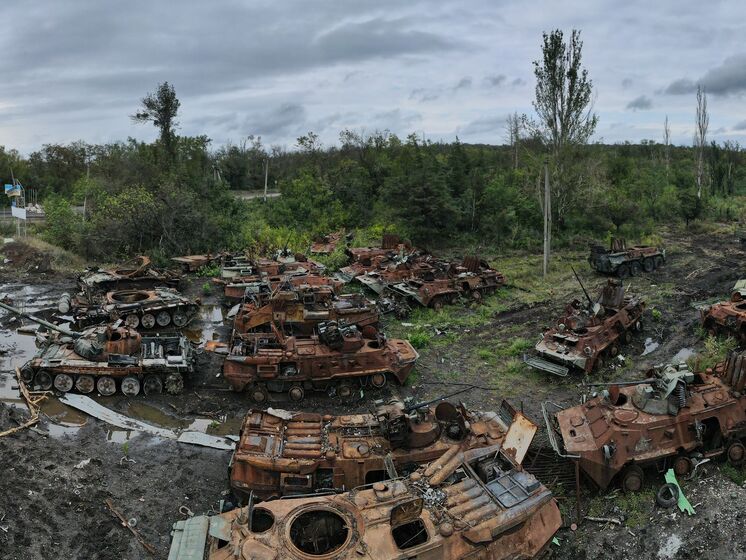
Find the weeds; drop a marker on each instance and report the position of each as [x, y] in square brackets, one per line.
[419, 338]
[736, 474]
[209, 271]
[206, 289]
[716, 350]
[637, 506]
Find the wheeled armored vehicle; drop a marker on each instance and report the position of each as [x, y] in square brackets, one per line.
[339, 360]
[585, 337]
[287, 453]
[626, 261]
[664, 420]
[427, 293]
[728, 317]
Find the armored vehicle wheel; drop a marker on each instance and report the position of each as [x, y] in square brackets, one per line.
[27, 374]
[174, 384]
[613, 350]
[648, 264]
[130, 386]
[152, 385]
[163, 318]
[626, 337]
[476, 295]
[85, 384]
[623, 271]
[180, 318]
[682, 465]
[106, 386]
[63, 382]
[437, 304]
[736, 454]
[296, 393]
[344, 391]
[132, 321]
[43, 380]
[148, 321]
[636, 268]
[638, 325]
[658, 260]
[259, 394]
[378, 380]
[632, 479]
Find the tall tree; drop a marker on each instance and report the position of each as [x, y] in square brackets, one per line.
[160, 108]
[513, 126]
[667, 144]
[700, 136]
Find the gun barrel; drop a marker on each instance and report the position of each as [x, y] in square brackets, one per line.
[620, 383]
[39, 320]
[590, 301]
[428, 403]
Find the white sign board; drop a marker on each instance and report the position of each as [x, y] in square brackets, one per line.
[18, 212]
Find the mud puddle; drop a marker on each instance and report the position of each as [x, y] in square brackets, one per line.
[221, 426]
[204, 327]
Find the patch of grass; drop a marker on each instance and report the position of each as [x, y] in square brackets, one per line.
[126, 448]
[486, 355]
[736, 474]
[656, 313]
[716, 350]
[420, 338]
[209, 271]
[62, 260]
[516, 348]
[637, 506]
[206, 289]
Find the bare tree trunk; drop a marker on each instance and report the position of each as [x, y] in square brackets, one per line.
[513, 125]
[700, 136]
[547, 219]
[667, 145]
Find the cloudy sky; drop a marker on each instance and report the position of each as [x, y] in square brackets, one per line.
[77, 69]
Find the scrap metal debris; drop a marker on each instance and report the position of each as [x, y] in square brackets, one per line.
[130, 527]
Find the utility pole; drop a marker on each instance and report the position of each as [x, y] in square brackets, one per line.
[547, 218]
[266, 175]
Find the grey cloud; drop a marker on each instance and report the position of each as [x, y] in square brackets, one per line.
[627, 83]
[463, 83]
[495, 81]
[487, 124]
[518, 82]
[640, 103]
[288, 118]
[681, 86]
[740, 126]
[396, 119]
[726, 79]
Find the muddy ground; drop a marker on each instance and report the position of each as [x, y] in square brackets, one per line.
[57, 476]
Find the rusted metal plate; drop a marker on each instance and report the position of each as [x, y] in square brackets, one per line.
[519, 437]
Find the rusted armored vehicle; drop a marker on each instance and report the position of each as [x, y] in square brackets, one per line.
[662, 421]
[105, 359]
[467, 504]
[136, 275]
[285, 453]
[327, 244]
[192, 263]
[476, 278]
[339, 360]
[138, 309]
[626, 261]
[240, 288]
[428, 293]
[728, 317]
[586, 336]
[393, 271]
[299, 311]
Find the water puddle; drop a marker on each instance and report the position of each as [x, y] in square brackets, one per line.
[683, 355]
[206, 324]
[650, 346]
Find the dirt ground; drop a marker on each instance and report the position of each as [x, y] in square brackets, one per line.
[57, 476]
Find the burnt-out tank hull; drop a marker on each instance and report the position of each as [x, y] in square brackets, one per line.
[136, 275]
[287, 453]
[728, 317]
[625, 261]
[467, 504]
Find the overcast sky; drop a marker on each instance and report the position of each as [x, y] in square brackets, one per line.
[76, 69]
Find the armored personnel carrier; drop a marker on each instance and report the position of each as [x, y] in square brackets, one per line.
[136, 275]
[139, 309]
[467, 504]
[105, 359]
[585, 337]
[428, 293]
[626, 261]
[728, 317]
[282, 453]
[339, 360]
[300, 310]
[661, 421]
[476, 278]
[240, 288]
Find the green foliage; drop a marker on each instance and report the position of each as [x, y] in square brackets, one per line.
[65, 225]
[656, 313]
[637, 506]
[716, 350]
[420, 338]
[736, 474]
[207, 288]
[209, 271]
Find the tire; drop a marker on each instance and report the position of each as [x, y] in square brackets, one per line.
[626, 337]
[132, 321]
[632, 479]
[658, 261]
[378, 380]
[345, 391]
[163, 318]
[63, 382]
[648, 265]
[437, 304]
[296, 393]
[682, 465]
[180, 318]
[623, 271]
[130, 386]
[85, 384]
[43, 379]
[636, 269]
[667, 496]
[106, 386]
[27, 374]
[736, 454]
[259, 394]
[152, 385]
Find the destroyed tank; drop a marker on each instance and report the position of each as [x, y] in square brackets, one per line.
[138, 274]
[105, 359]
[241, 288]
[728, 317]
[626, 261]
[138, 309]
[475, 278]
[467, 504]
[300, 310]
[286, 453]
[585, 337]
[667, 420]
[339, 360]
[428, 293]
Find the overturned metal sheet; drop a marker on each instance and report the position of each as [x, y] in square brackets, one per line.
[206, 440]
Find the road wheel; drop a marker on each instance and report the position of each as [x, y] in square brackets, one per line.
[632, 479]
[148, 321]
[476, 295]
[27, 374]
[635, 268]
[152, 385]
[600, 362]
[437, 304]
[613, 350]
[667, 496]
[344, 391]
[638, 325]
[130, 386]
[106, 386]
[378, 380]
[63, 382]
[648, 265]
[43, 380]
[296, 393]
[682, 465]
[623, 271]
[132, 321]
[174, 384]
[259, 394]
[736, 454]
[85, 384]
[163, 318]
[626, 337]
[180, 318]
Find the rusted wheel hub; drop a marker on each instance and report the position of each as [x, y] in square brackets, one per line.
[180, 318]
[682, 466]
[736, 453]
[632, 479]
[378, 380]
[132, 321]
[85, 384]
[63, 382]
[296, 393]
[148, 321]
[43, 380]
[344, 391]
[259, 395]
[163, 319]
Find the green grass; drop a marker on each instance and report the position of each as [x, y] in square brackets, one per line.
[419, 338]
[206, 289]
[637, 506]
[716, 350]
[209, 271]
[736, 474]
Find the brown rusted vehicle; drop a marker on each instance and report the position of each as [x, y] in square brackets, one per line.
[339, 360]
[138, 274]
[299, 311]
[240, 288]
[192, 263]
[626, 261]
[428, 293]
[663, 421]
[476, 278]
[467, 504]
[728, 317]
[585, 337]
[283, 453]
[327, 244]
[393, 271]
